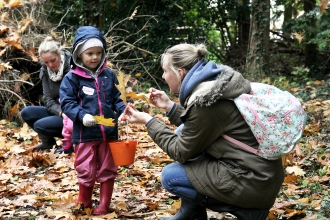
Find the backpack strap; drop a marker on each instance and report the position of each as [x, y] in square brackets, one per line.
[242, 145]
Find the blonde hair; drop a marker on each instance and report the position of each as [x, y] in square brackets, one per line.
[49, 45]
[183, 56]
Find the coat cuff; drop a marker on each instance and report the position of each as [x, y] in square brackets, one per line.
[150, 121]
[168, 114]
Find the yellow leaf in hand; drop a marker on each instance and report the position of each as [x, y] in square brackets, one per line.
[104, 121]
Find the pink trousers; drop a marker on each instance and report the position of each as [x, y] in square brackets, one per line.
[94, 163]
[67, 132]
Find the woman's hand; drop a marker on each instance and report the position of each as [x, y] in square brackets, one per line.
[134, 116]
[160, 99]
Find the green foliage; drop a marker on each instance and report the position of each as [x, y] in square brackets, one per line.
[321, 92]
[222, 25]
[142, 87]
[323, 171]
[300, 76]
[322, 39]
[281, 82]
[317, 33]
[325, 205]
[300, 71]
[171, 201]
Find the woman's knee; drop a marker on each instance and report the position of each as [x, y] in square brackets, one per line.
[25, 112]
[170, 173]
[39, 127]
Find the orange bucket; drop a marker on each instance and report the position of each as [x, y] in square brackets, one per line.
[123, 152]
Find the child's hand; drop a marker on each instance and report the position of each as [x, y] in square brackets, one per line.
[122, 117]
[89, 120]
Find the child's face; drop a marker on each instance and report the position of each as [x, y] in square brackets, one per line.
[91, 57]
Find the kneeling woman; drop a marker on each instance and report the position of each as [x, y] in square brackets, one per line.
[210, 171]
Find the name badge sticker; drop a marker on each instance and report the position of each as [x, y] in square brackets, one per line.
[87, 90]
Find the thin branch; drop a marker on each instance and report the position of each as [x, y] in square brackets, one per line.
[128, 18]
[16, 80]
[59, 24]
[19, 58]
[149, 74]
[126, 60]
[7, 90]
[139, 48]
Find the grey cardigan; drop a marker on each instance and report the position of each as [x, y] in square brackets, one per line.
[50, 88]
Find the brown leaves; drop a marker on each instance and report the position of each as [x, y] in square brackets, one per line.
[25, 133]
[24, 23]
[4, 66]
[3, 29]
[323, 6]
[10, 35]
[32, 53]
[296, 170]
[14, 40]
[10, 3]
[298, 36]
[48, 182]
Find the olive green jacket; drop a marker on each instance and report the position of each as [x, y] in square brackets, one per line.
[225, 171]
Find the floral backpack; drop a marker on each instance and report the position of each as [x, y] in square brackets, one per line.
[275, 117]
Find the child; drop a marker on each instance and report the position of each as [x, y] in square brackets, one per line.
[88, 90]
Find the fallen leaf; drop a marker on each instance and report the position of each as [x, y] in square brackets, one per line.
[296, 170]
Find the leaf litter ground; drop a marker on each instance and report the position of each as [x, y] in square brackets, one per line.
[43, 185]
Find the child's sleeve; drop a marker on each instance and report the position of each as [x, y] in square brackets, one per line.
[68, 97]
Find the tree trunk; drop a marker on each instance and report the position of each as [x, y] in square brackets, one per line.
[257, 62]
[243, 23]
[311, 53]
[236, 55]
[288, 15]
[92, 11]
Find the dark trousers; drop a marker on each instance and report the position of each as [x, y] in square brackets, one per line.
[42, 121]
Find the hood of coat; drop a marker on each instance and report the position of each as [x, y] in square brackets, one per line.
[207, 82]
[82, 34]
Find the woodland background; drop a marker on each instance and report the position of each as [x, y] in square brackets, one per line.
[285, 43]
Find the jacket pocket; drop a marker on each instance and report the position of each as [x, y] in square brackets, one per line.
[227, 176]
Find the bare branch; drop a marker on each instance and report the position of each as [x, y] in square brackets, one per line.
[139, 48]
[14, 93]
[151, 76]
[16, 80]
[59, 24]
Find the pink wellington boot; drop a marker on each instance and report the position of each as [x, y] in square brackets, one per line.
[85, 195]
[106, 190]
